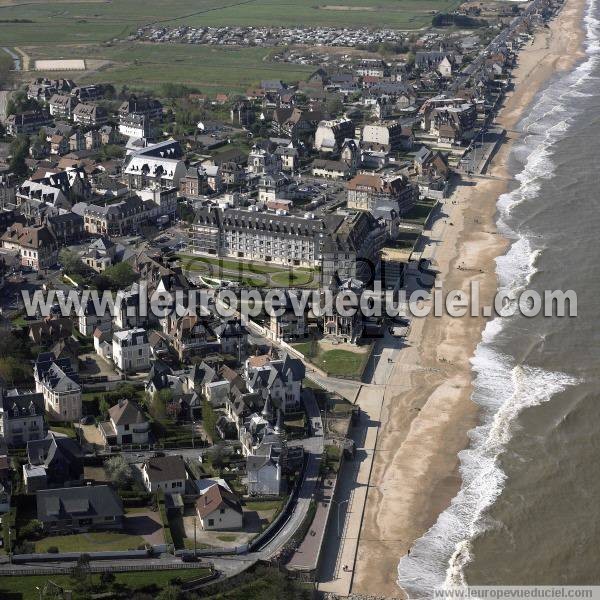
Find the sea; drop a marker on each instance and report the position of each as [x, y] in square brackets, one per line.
[528, 511]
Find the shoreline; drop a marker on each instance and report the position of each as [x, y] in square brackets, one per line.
[427, 408]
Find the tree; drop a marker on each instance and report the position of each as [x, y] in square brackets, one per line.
[117, 277]
[32, 529]
[209, 419]
[19, 150]
[160, 401]
[81, 575]
[14, 371]
[72, 264]
[119, 471]
[169, 593]
[107, 579]
[19, 102]
[103, 406]
[334, 106]
[185, 212]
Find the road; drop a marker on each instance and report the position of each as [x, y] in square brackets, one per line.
[313, 446]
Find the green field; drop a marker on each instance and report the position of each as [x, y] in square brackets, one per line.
[97, 30]
[90, 542]
[135, 580]
[101, 21]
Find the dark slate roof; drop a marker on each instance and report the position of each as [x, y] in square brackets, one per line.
[79, 502]
[18, 405]
[53, 449]
[165, 468]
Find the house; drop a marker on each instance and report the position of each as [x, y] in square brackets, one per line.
[115, 219]
[93, 139]
[167, 473]
[50, 330]
[90, 115]
[431, 163]
[36, 245]
[52, 462]
[126, 424]
[149, 107]
[128, 307]
[288, 157]
[68, 349]
[135, 126]
[160, 344]
[190, 336]
[279, 379]
[218, 508]
[346, 327]
[367, 192]
[158, 165]
[386, 137]
[101, 254]
[21, 416]
[289, 324]
[330, 135]
[264, 475]
[77, 141]
[59, 145]
[27, 122]
[79, 509]
[66, 227]
[131, 350]
[232, 337]
[62, 105]
[59, 384]
[331, 169]
[103, 344]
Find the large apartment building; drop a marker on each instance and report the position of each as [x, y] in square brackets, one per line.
[330, 135]
[386, 137]
[338, 242]
[369, 192]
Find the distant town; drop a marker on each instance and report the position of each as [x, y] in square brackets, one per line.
[194, 443]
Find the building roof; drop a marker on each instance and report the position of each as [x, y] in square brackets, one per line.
[126, 412]
[214, 498]
[79, 502]
[165, 468]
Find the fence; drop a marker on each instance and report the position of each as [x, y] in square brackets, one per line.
[113, 568]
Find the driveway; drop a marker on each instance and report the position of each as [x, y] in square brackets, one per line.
[146, 524]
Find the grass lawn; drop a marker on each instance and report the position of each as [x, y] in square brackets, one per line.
[135, 580]
[171, 432]
[419, 212]
[68, 431]
[294, 278]
[95, 541]
[337, 363]
[259, 505]
[228, 264]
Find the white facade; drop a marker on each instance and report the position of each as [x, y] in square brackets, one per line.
[131, 350]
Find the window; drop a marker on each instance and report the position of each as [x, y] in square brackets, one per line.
[211, 522]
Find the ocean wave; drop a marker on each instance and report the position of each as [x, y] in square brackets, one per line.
[502, 388]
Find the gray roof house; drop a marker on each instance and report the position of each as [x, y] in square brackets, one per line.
[77, 509]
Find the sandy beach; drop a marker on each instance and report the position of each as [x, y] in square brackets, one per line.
[427, 410]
